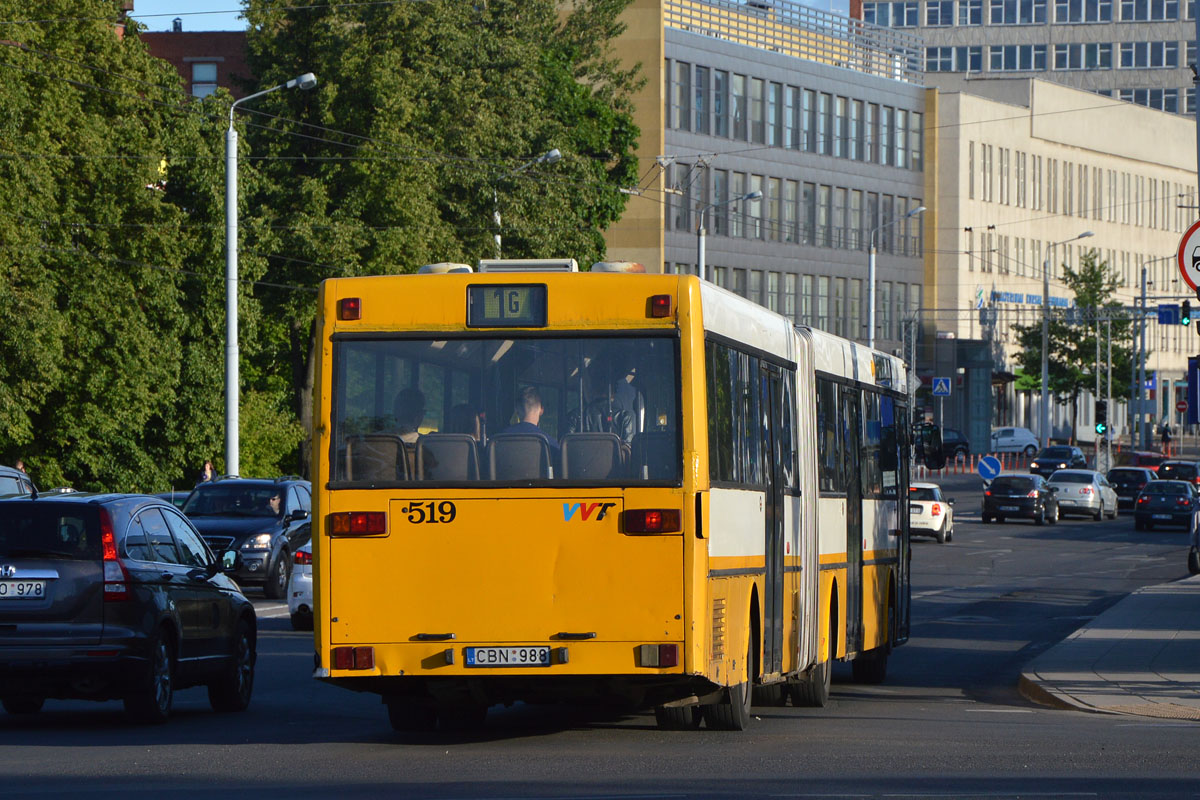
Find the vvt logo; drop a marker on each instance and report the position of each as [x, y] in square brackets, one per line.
[585, 511]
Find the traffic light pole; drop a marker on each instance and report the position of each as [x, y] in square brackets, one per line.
[1108, 389]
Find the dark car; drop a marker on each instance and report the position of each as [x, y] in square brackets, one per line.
[1128, 483]
[1141, 458]
[1020, 496]
[1056, 457]
[14, 481]
[174, 497]
[1165, 502]
[1179, 471]
[111, 596]
[954, 444]
[240, 514]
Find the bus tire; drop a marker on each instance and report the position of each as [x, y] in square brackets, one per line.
[871, 666]
[812, 688]
[732, 713]
[409, 716]
[774, 694]
[677, 718]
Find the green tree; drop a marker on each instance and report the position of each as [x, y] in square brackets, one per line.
[1072, 362]
[443, 101]
[103, 357]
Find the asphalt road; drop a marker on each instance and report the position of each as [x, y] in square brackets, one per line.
[948, 722]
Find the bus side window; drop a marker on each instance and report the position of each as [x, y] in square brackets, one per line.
[829, 449]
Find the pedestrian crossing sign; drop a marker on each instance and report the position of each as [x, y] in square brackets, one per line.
[941, 387]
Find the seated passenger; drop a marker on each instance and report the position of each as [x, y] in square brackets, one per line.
[529, 410]
[609, 406]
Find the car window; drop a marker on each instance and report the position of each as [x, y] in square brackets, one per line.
[305, 498]
[136, 545]
[1063, 476]
[231, 498]
[923, 495]
[191, 547]
[1175, 471]
[1167, 487]
[10, 485]
[1061, 453]
[159, 536]
[1013, 484]
[52, 531]
[1004, 433]
[293, 500]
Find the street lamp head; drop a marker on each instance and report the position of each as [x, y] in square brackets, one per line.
[915, 211]
[551, 157]
[305, 81]
[1085, 235]
[752, 196]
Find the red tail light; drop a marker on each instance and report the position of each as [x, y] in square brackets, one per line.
[1182, 501]
[1143, 499]
[660, 305]
[987, 492]
[358, 523]
[935, 509]
[652, 520]
[1033, 493]
[1085, 490]
[349, 308]
[116, 577]
[302, 557]
[354, 658]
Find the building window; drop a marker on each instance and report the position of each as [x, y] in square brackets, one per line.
[1018, 12]
[773, 221]
[757, 126]
[854, 226]
[739, 107]
[755, 208]
[719, 215]
[789, 296]
[791, 199]
[701, 100]
[885, 135]
[808, 214]
[970, 12]
[916, 142]
[1017, 58]
[1162, 99]
[901, 137]
[791, 118]
[824, 201]
[721, 103]
[855, 133]
[204, 78]
[939, 13]
[824, 124]
[806, 300]
[775, 115]
[736, 217]
[1082, 11]
[855, 329]
[808, 121]
[773, 292]
[871, 134]
[681, 91]
[840, 127]
[1083, 56]
[1149, 55]
[823, 303]
[839, 306]
[903, 14]
[970, 170]
[1149, 10]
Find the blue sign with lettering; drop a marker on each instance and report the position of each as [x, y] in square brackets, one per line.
[989, 467]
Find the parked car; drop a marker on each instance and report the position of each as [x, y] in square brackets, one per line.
[14, 481]
[1020, 496]
[116, 596]
[1084, 491]
[1141, 458]
[1128, 482]
[300, 597]
[1056, 457]
[1014, 440]
[930, 513]
[954, 444]
[175, 498]
[1179, 471]
[1165, 502]
[265, 520]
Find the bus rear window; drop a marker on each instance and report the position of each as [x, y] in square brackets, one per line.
[506, 411]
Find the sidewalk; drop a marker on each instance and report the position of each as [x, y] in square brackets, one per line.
[1141, 657]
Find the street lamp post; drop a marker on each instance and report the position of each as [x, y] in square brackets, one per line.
[701, 232]
[305, 81]
[548, 157]
[1045, 415]
[871, 272]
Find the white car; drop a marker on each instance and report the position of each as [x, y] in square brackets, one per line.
[1014, 440]
[299, 592]
[930, 513]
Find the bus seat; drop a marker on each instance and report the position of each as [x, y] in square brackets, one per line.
[376, 457]
[654, 456]
[447, 457]
[592, 455]
[519, 456]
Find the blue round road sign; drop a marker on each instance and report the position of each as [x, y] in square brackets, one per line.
[989, 467]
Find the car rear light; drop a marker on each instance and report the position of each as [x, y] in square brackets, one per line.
[1033, 493]
[652, 520]
[349, 308]
[358, 523]
[1143, 499]
[1085, 490]
[660, 305]
[354, 658]
[116, 577]
[302, 557]
[987, 492]
[935, 509]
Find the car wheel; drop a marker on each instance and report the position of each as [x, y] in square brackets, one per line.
[276, 586]
[302, 622]
[1030, 450]
[1099, 515]
[1054, 518]
[1040, 519]
[732, 712]
[940, 535]
[22, 705]
[152, 694]
[987, 519]
[231, 692]
[950, 535]
[1000, 519]
[1114, 512]
[1193, 568]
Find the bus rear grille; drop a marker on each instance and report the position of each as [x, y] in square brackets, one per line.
[718, 629]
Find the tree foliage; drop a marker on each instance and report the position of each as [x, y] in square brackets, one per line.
[112, 218]
[1072, 362]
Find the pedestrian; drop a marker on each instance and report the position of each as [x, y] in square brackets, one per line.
[20, 465]
[207, 472]
[1166, 438]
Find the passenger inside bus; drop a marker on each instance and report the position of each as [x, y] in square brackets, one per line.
[611, 401]
[410, 413]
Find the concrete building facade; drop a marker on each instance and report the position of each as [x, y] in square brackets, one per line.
[1022, 164]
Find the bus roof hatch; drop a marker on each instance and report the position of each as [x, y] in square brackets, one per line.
[528, 265]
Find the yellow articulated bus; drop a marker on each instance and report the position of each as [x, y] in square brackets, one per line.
[536, 484]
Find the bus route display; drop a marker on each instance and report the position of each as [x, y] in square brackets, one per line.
[513, 306]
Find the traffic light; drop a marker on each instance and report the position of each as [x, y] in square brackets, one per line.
[1101, 417]
[1185, 313]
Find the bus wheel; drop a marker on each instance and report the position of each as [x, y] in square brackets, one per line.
[774, 694]
[871, 666]
[812, 688]
[677, 718]
[733, 712]
[408, 716]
